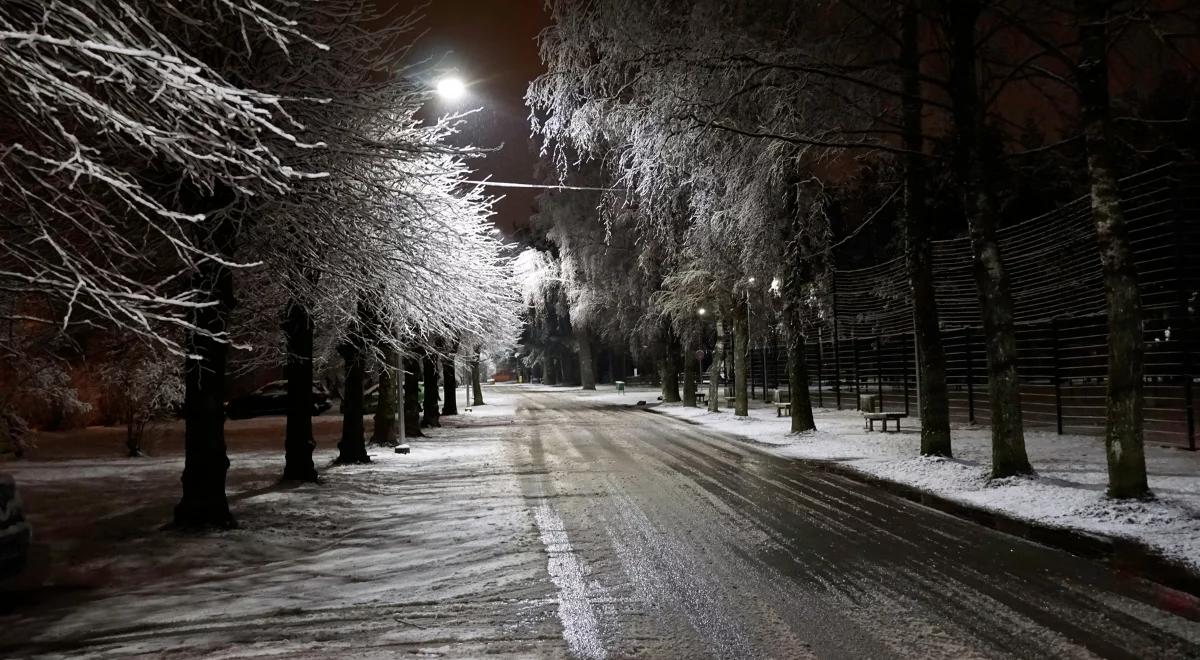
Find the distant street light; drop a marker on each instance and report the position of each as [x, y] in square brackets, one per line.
[451, 88]
[702, 311]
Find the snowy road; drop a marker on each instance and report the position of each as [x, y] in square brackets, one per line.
[553, 526]
[665, 540]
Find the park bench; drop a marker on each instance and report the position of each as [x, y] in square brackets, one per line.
[730, 401]
[783, 406]
[869, 419]
[702, 398]
[872, 411]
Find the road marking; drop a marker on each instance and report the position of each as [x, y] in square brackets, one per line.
[581, 628]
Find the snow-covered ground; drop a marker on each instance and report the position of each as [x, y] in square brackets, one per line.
[455, 549]
[428, 553]
[1068, 490]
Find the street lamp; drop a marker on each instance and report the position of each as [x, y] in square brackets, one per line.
[702, 311]
[451, 88]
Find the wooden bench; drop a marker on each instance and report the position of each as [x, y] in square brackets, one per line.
[869, 419]
[783, 407]
[730, 401]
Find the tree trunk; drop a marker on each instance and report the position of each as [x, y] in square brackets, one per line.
[670, 366]
[670, 378]
[449, 388]
[298, 441]
[802, 265]
[1008, 436]
[352, 448]
[206, 463]
[932, 391]
[476, 386]
[387, 427]
[134, 430]
[690, 367]
[568, 372]
[412, 397]
[714, 370]
[802, 414]
[132, 442]
[1124, 398]
[429, 407]
[741, 342]
[587, 362]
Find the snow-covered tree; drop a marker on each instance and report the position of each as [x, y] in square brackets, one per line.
[571, 220]
[164, 154]
[35, 378]
[679, 106]
[141, 384]
[537, 275]
[111, 117]
[732, 103]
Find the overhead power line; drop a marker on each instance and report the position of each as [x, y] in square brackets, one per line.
[539, 186]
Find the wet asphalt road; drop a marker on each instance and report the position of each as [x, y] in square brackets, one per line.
[666, 540]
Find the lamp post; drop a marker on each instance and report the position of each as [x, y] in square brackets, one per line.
[749, 341]
[774, 291]
[715, 365]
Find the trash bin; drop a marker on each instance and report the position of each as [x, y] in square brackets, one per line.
[620, 387]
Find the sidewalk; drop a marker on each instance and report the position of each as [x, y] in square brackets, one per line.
[1067, 493]
[377, 560]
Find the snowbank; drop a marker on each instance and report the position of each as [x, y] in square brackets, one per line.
[1068, 491]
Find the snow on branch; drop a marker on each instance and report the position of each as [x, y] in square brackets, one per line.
[109, 113]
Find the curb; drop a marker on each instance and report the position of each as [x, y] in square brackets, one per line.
[1124, 555]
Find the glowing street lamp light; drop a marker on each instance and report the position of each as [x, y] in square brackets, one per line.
[451, 88]
[702, 311]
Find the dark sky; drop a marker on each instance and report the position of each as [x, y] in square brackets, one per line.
[492, 44]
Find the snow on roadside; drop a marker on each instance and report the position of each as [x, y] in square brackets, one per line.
[1068, 491]
[377, 557]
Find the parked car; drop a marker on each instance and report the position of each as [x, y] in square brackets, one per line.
[271, 399]
[15, 532]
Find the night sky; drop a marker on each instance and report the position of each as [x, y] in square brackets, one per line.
[493, 46]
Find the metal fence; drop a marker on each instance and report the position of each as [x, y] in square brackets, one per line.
[862, 343]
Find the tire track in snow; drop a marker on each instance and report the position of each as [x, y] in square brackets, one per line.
[579, 618]
[581, 626]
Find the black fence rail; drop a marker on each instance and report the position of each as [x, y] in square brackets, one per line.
[861, 341]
